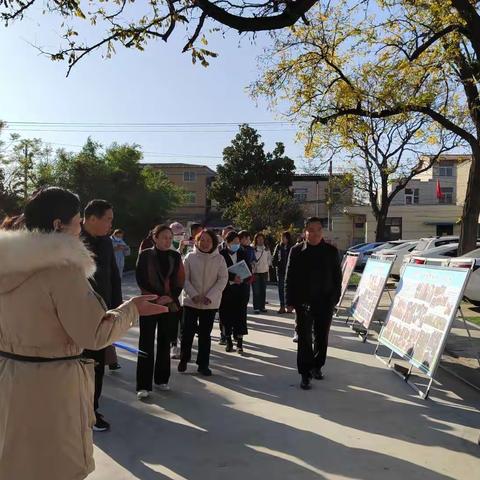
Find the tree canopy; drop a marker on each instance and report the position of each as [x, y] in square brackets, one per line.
[261, 208]
[380, 59]
[141, 196]
[246, 165]
[131, 24]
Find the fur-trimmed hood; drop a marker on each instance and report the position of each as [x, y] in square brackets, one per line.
[23, 253]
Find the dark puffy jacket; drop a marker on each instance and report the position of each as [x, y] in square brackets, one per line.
[106, 281]
[314, 275]
[280, 257]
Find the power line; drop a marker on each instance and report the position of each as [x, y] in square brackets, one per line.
[146, 124]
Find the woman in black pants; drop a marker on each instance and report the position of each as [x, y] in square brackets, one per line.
[159, 271]
[233, 307]
[205, 278]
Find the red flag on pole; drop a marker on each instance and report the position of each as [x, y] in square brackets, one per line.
[439, 192]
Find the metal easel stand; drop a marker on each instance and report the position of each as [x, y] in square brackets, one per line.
[362, 332]
[339, 307]
[405, 376]
[467, 328]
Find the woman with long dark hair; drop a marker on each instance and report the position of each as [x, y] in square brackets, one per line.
[160, 272]
[49, 315]
[280, 260]
[263, 260]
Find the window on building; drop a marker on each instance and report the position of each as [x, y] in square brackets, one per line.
[191, 198]
[189, 176]
[300, 194]
[447, 198]
[412, 196]
[445, 169]
[393, 228]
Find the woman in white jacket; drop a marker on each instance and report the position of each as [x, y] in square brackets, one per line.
[206, 276]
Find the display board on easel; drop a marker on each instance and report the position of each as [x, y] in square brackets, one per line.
[425, 304]
[370, 290]
[348, 266]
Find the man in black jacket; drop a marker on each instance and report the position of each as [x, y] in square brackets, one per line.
[313, 285]
[97, 225]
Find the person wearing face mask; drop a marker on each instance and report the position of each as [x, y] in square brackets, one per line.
[159, 271]
[233, 307]
[263, 261]
[179, 237]
[49, 315]
[206, 276]
[178, 231]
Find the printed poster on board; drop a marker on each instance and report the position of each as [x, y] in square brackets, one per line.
[422, 313]
[348, 266]
[370, 290]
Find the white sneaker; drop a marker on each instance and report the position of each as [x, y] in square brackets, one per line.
[163, 387]
[295, 338]
[141, 394]
[175, 353]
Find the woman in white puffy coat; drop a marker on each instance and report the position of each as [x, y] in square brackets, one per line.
[206, 276]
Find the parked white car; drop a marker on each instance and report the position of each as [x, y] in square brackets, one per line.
[472, 290]
[428, 243]
[400, 251]
[375, 250]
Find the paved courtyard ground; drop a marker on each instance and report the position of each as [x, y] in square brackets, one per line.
[251, 421]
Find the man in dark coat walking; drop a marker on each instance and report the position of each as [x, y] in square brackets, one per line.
[96, 228]
[313, 285]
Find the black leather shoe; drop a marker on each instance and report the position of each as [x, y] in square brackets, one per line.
[205, 371]
[305, 383]
[182, 366]
[229, 347]
[317, 374]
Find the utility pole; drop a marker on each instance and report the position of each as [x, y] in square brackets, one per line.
[329, 206]
[25, 170]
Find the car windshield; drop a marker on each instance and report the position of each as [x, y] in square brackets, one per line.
[422, 244]
[408, 246]
[387, 245]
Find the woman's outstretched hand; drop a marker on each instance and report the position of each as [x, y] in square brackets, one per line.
[145, 306]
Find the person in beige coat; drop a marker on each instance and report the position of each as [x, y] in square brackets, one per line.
[206, 276]
[48, 315]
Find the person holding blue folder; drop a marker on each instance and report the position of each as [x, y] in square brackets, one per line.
[233, 307]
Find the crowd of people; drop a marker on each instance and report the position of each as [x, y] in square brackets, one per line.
[61, 308]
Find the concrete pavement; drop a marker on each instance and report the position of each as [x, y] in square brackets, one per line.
[251, 421]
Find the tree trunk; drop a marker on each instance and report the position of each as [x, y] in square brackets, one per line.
[471, 208]
[381, 218]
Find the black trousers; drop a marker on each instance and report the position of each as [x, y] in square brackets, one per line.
[99, 357]
[259, 290]
[154, 367]
[312, 353]
[197, 321]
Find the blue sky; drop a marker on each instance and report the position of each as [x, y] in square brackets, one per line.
[159, 85]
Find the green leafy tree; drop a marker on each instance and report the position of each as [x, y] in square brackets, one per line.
[246, 165]
[258, 209]
[381, 59]
[18, 161]
[141, 196]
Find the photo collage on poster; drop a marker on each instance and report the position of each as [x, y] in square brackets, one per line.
[370, 290]
[348, 266]
[424, 307]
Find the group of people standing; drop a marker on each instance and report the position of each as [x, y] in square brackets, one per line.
[64, 273]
